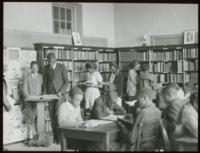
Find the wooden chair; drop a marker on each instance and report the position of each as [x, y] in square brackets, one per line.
[147, 136]
[164, 136]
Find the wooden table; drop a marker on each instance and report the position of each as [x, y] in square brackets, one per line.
[103, 133]
[40, 101]
[187, 144]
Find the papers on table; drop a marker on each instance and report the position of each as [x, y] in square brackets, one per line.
[131, 103]
[113, 117]
[42, 97]
[86, 82]
[94, 123]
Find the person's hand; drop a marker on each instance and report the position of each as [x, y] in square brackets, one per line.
[8, 107]
[59, 95]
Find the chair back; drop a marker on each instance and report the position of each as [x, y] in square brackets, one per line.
[147, 136]
[165, 139]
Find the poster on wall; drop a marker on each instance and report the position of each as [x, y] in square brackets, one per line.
[76, 39]
[189, 37]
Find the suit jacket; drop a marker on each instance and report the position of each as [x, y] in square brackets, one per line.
[60, 80]
[118, 82]
[32, 87]
[100, 109]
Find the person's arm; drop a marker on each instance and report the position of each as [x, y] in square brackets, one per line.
[25, 87]
[5, 100]
[99, 80]
[118, 110]
[120, 85]
[132, 76]
[65, 78]
[44, 86]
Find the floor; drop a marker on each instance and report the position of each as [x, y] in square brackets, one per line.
[22, 147]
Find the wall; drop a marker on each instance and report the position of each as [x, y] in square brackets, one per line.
[134, 20]
[98, 21]
[36, 19]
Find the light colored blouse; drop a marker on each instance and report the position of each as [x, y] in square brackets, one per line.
[132, 82]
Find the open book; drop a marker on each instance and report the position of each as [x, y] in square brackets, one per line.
[42, 97]
[113, 117]
[131, 103]
[94, 123]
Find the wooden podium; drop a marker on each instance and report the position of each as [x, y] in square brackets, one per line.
[40, 100]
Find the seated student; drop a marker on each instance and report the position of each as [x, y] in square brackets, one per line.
[69, 115]
[174, 105]
[188, 89]
[128, 138]
[106, 104]
[187, 124]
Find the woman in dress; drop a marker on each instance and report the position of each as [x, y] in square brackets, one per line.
[132, 80]
[94, 82]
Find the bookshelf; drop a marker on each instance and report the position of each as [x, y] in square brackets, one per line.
[173, 63]
[75, 57]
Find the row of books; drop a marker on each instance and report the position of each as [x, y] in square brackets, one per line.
[60, 54]
[68, 64]
[84, 55]
[79, 66]
[124, 66]
[166, 56]
[191, 65]
[107, 57]
[168, 67]
[192, 77]
[190, 53]
[126, 56]
[175, 78]
[104, 67]
[80, 76]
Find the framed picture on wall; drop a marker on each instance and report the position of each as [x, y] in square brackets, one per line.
[189, 37]
[76, 39]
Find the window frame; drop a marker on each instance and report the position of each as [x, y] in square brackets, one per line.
[76, 16]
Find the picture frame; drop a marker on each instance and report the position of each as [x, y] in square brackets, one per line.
[76, 39]
[189, 37]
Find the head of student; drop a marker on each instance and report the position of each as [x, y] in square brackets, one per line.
[76, 96]
[170, 93]
[51, 58]
[114, 67]
[188, 88]
[145, 67]
[135, 65]
[91, 67]
[194, 100]
[34, 67]
[144, 97]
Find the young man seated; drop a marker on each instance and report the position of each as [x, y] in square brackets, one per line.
[187, 124]
[106, 104]
[129, 136]
[69, 115]
[174, 105]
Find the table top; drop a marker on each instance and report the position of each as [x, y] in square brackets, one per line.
[106, 128]
[187, 139]
[42, 98]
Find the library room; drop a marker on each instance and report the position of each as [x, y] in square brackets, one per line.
[100, 76]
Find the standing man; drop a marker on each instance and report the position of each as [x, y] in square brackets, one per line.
[55, 82]
[32, 87]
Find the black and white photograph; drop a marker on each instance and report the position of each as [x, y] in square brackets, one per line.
[88, 76]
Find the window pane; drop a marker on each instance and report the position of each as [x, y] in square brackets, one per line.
[69, 26]
[55, 12]
[62, 13]
[69, 15]
[56, 26]
[62, 25]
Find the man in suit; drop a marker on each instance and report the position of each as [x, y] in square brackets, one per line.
[32, 87]
[55, 82]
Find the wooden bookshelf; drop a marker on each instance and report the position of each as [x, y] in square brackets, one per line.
[174, 63]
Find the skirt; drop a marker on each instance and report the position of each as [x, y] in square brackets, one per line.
[91, 95]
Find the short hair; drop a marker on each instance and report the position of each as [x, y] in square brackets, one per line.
[145, 67]
[194, 98]
[114, 65]
[134, 63]
[76, 91]
[33, 63]
[51, 55]
[91, 66]
[170, 89]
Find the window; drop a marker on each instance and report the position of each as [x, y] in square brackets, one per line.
[67, 18]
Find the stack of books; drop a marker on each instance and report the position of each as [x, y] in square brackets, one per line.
[84, 55]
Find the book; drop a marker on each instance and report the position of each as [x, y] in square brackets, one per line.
[113, 117]
[95, 123]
